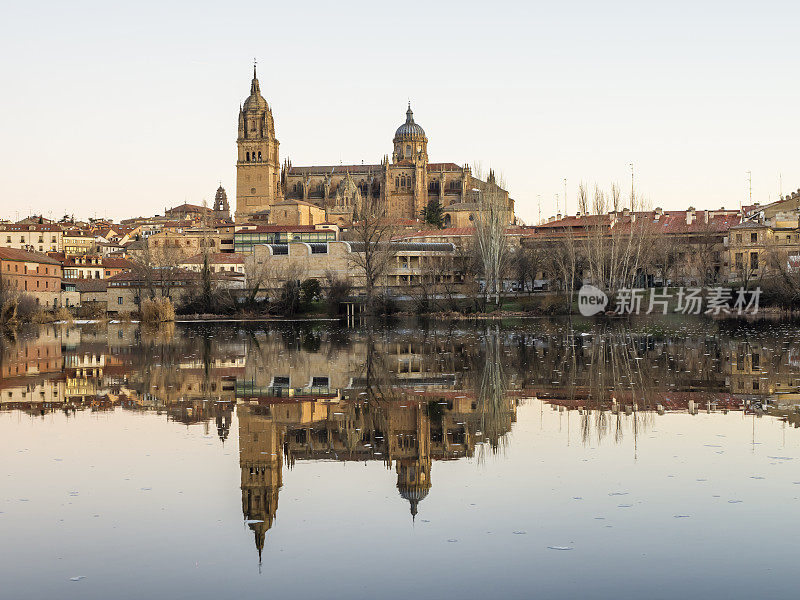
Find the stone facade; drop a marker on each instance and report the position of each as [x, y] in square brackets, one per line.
[404, 182]
[295, 212]
[34, 237]
[32, 273]
[257, 166]
[413, 263]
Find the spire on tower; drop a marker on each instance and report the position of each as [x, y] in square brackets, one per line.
[254, 87]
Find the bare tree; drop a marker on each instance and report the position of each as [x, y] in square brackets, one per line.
[620, 248]
[564, 259]
[156, 269]
[373, 251]
[492, 219]
[526, 262]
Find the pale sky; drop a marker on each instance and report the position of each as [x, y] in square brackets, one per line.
[121, 111]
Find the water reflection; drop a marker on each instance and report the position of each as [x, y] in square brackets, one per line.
[405, 397]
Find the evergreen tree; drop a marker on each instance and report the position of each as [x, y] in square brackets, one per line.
[432, 213]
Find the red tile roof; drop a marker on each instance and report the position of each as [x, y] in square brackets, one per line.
[216, 258]
[111, 262]
[673, 221]
[334, 169]
[37, 227]
[445, 166]
[280, 229]
[23, 255]
[90, 285]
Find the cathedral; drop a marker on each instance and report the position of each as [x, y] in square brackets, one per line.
[405, 183]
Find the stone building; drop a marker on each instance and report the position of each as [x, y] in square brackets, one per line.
[404, 182]
[39, 237]
[171, 246]
[411, 264]
[257, 166]
[32, 273]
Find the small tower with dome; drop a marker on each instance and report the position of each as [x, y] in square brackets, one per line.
[410, 143]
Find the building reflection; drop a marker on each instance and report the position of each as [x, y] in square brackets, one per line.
[408, 398]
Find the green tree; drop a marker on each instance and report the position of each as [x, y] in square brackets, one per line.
[310, 290]
[432, 213]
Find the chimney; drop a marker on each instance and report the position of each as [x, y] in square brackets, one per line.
[626, 212]
[690, 214]
[706, 216]
[657, 213]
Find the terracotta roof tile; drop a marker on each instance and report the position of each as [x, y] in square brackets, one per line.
[23, 255]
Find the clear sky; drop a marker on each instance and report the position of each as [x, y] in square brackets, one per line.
[119, 111]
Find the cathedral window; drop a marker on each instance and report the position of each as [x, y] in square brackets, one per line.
[259, 157]
[397, 182]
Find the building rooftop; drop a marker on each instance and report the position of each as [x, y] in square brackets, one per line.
[216, 258]
[26, 256]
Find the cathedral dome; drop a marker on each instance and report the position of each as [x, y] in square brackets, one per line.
[414, 494]
[409, 130]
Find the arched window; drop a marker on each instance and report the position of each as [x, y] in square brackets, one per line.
[259, 156]
[408, 150]
[397, 182]
[248, 157]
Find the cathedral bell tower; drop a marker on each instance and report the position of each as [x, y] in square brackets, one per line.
[257, 166]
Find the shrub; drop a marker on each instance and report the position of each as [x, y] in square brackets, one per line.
[310, 290]
[338, 292]
[157, 310]
[384, 305]
[289, 302]
[554, 304]
[63, 314]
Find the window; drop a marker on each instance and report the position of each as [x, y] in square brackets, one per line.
[754, 260]
[753, 237]
[739, 261]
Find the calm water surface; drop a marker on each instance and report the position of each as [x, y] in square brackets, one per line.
[530, 459]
